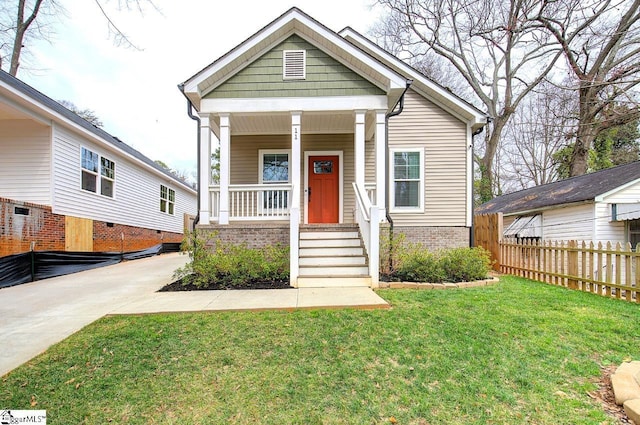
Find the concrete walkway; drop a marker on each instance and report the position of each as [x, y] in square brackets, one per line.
[36, 315]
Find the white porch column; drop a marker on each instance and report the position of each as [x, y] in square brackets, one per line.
[294, 211]
[204, 151]
[225, 140]
[381, 159]
[359, 148]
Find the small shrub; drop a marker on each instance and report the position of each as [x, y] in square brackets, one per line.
[421, 266]
[232, 265]
[414, 263]
[465, 264]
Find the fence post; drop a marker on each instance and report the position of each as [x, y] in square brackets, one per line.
[572, 266]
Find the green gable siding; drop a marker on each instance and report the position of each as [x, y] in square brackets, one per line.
[324, 77]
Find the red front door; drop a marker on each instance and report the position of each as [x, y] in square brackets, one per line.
[323, 191]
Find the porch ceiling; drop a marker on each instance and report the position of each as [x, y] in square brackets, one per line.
[311, 123]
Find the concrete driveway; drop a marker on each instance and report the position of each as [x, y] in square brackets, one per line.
[36, 315]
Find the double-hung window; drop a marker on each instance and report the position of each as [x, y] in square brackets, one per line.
[98, 173]
[275, 169]
[167, 199]
[407, 174]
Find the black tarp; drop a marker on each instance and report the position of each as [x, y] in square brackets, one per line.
[36, 265]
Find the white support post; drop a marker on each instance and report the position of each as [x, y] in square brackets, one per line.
[381, 163]
[204, 150]
[225, 142]
[374, 246]
[294, 216]
[359, 147]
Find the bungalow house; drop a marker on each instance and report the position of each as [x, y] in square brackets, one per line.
[323, 138]
[602, 206]
[68, 185]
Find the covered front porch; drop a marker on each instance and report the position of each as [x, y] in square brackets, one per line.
[292, 169]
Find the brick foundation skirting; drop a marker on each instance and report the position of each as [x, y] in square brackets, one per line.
[253, 235]
[434, 238]
[25, 223]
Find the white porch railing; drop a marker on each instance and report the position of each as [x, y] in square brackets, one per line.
[371, 192]
[368, 219]
[254, 201]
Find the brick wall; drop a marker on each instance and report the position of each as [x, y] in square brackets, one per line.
[22, 223]
[435, 238]
[112, 237]
[254, 235]
[38, 224]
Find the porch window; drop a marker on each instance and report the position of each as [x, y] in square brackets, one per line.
[167, 199]
[275, 169]
[98, 173]
[407, 188]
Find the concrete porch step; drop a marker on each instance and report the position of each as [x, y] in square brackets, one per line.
[347, 260]
[331, 251]
[333, 282]
[329, 235]
[333, 242]
[334, 270]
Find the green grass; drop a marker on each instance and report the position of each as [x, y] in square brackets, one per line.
[516, 352]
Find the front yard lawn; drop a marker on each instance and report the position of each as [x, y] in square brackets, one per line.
[515, 352]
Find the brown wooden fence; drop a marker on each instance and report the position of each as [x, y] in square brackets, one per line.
[610, 271]
[487, 231]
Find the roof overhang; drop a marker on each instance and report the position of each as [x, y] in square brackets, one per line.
[421, 84]
[604, 196]
[48, 112]
[546, 208]
[294, 21]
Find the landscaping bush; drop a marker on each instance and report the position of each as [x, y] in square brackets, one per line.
[230, 265]
[414, 263]
[421, 266]
[465, 264]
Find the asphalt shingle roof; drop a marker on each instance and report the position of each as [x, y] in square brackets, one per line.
[575, 189]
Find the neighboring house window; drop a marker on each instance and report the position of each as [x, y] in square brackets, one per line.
[98, 173]
[274, 169]
[634, 232]
[407, 188]
[294, 64]
[167, 199]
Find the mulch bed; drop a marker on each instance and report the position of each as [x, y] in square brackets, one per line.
[604, 395]
[179, 286]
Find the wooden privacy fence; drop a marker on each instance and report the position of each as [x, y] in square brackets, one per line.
[610, 271]
[487, 230]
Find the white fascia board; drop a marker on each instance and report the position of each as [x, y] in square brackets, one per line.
[601, 198]
[286, 104]
[48, 116]
[395, 80]
[550, 207]
[476, 116]
[23, 109]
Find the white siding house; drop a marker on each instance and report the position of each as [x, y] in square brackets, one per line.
[51, 157]
[601, 207]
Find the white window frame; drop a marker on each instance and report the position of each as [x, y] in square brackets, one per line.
[261, 154]
[285, 75]
[392, 180]
[168, 200]
[98, 175]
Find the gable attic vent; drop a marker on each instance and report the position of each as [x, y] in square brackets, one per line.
[294, 62]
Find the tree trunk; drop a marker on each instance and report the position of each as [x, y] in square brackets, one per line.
[586, 132]
[486, 185]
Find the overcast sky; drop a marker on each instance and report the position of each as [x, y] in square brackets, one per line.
[135, 93]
